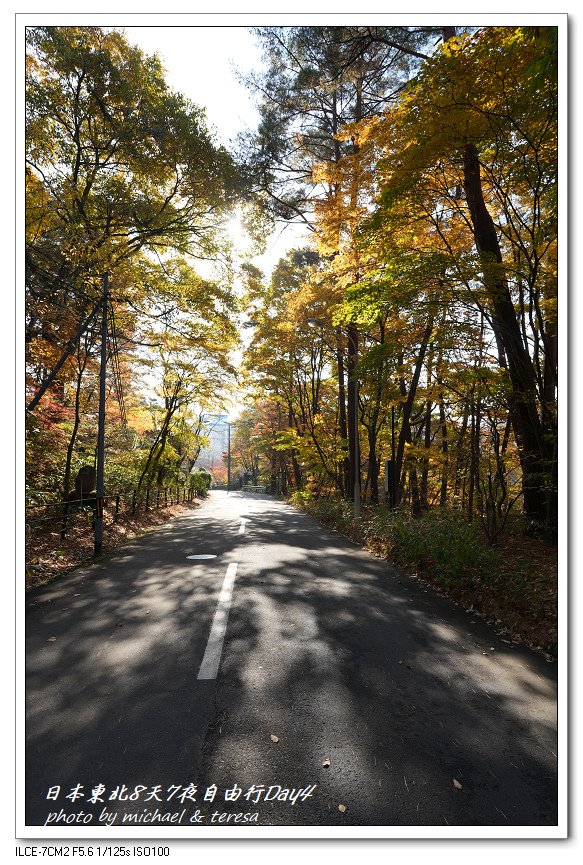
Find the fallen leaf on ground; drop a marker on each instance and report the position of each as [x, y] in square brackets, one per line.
[457, 784]
[342, 808]
[275, 738]
[326, 762]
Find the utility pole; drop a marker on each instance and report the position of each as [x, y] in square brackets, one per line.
[352, 414]
[356, 455]
[98, 543]
[394, 475]
[390, 476]
[228, 455]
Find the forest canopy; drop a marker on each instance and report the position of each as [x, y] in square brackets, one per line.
[414, 335]
[427, 169]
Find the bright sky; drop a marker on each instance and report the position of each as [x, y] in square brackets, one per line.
[203, 64]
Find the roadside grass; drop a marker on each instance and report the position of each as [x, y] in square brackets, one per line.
[512, 585]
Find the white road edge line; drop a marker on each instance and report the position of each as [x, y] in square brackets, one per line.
[214, 646]
[242, 527]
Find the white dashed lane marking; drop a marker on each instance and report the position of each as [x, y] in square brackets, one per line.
[214, 647]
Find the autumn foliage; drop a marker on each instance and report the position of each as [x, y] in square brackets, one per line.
[431, 287]
[419, 326]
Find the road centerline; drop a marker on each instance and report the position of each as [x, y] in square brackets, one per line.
[212, 656]
[242, 527]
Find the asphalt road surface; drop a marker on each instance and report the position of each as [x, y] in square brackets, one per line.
[293, 677]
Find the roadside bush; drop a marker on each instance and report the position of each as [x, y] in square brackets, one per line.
[335, 512]
[199, 482]
[121, 476]
[439, 541]
[301, 498]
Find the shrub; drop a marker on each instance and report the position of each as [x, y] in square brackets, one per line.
[301, 498]
[443, 540]
[334, 512]
[200, 481]
[439, 540]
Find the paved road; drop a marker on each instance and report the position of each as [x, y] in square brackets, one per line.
[341, 658]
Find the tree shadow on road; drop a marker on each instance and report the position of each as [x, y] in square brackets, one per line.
[332, 651]
[392, 682]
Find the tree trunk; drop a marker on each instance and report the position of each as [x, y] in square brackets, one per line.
[533, 451]
[353, 336]
[159, 441]
[460, 460]
[374, 466]
[73, 438]
[416, 508]
[405, 431]
[296, 468]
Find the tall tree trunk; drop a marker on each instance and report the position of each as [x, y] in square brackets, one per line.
[475, 455]
[373, 465]
[159, 442]
[353, 334]
[533, 450]
[296, 468]
[416, 508]
[81, 365]
[283, 472]
[405, 431]
[460, 459]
